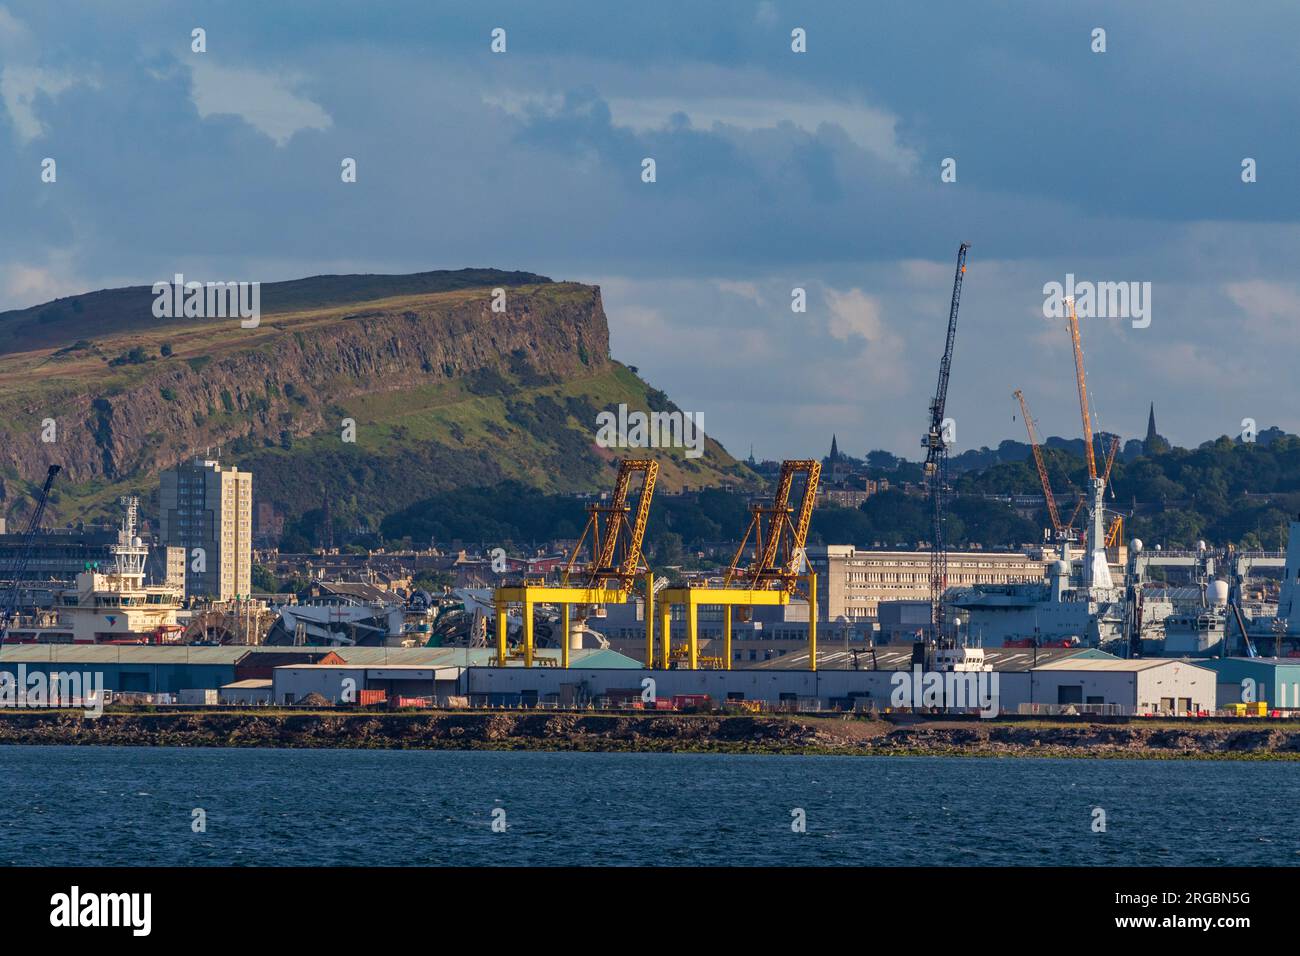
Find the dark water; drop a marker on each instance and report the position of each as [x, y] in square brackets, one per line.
[118, 805]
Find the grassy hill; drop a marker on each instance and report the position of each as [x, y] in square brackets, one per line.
[441, 391]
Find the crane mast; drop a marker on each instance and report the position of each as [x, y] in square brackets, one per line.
[1096, 572]
[1052, 511]
[1089, 452]
[936, 456]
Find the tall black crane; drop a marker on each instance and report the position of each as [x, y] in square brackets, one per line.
[18, 570]
[935, 443]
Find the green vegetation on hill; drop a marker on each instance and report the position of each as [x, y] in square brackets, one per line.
[92, 314]
[1223, 492]
[471, 454]
[358, 404]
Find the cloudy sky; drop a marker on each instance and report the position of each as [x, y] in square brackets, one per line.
[774, 170]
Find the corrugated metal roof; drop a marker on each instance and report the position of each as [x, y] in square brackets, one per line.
[120, 654]
[1216, 663]
[896, 658]
[229, 654]
[159, 654]
[1114, 665]
[253, 683]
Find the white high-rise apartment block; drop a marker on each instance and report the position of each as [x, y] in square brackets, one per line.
[208, 511]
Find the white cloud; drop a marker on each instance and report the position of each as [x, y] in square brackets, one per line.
[856, 315]
[23, 285]
[744, 290]
[266, 101]
[15, 38]
[19, 88]
[1269, 309]
[873, 130]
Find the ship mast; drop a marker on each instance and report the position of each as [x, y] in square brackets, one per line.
[130, 552]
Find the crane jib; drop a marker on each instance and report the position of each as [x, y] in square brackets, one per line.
[936, 458]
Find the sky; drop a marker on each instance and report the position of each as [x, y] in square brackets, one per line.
[774, 170]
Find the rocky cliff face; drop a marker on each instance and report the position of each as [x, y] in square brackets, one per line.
[443, 389]
[289, 381]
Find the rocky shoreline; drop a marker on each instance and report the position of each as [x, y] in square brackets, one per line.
[500, 730]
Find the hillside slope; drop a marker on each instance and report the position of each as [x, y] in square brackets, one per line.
[442, 392]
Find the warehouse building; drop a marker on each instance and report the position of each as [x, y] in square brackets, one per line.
[169, 669]
[844, 679]
[439, 673]
[1239, 680]
[253, 692]
[1143, 686]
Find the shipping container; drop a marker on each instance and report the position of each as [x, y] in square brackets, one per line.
[200, 697]
[692, 702]
[368, 698]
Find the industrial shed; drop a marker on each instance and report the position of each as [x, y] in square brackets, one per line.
[248, 693]
[171, 668]
[872, 681]
[136, 668]
[437, 672]
[1275, 680]
[1144, 686]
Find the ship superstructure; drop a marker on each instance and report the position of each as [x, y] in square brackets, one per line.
[114, 605]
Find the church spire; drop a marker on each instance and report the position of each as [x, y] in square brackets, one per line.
[1153, 443]
[835, 451]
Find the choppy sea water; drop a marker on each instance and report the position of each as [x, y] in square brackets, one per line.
[127, 805]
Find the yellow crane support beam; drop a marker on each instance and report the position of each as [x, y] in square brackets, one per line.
[528, 596]
[771, 580]
[608, 577]
[691, 599]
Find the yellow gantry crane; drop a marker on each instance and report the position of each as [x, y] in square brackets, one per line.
[780, 533]
[616, 536]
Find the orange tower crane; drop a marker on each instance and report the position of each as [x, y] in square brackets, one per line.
[1090, 453]
[1098, 483]
[1052, 513]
